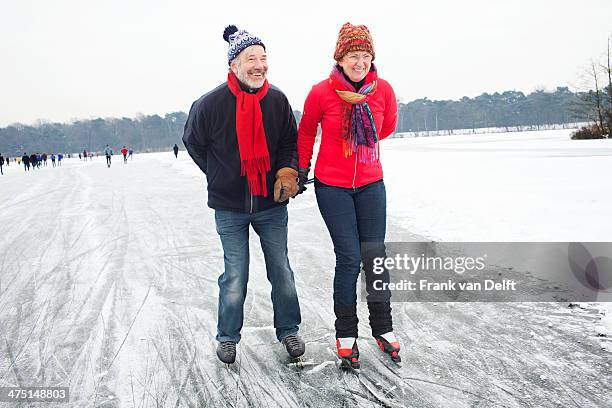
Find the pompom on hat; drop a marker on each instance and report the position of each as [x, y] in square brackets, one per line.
[239, 40]
[353, 38]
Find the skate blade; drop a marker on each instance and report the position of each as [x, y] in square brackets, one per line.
[348, 365]
[227, 365]
[296, 361]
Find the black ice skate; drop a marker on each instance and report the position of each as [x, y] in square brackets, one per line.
[226, 351]
[295, 346]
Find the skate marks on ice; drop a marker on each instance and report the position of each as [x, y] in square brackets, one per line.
[116, 297]
[516, 354]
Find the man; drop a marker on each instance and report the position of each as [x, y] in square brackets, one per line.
[1, 163]
[175, 150]
[124, 152]
[108, 152]
[25, 159]
[243, 136]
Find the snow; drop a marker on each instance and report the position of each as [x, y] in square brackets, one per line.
[108, 284]
[523, 187]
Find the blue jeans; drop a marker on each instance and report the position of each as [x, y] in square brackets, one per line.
[233, 229]
[356, 220]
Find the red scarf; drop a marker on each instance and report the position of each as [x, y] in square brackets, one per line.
[252, 144]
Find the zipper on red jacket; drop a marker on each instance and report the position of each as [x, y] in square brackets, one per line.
[355, 173]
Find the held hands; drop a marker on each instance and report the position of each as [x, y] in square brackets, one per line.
[302, 179]
[286, 184]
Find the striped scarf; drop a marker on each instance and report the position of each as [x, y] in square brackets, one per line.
[358, 127]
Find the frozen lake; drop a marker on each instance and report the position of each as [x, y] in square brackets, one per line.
[108, 284]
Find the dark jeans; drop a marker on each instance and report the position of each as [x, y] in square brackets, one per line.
[356, 220]
[233, 229]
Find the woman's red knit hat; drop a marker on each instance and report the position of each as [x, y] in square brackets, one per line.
[353, 38]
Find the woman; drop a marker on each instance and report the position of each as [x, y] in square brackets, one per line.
[356, 110]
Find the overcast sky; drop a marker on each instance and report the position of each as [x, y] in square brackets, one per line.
[67, 59]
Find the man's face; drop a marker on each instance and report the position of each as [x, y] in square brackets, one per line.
[356, 64]
[251, 66]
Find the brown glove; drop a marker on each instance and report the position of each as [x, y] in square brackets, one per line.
[286, 184]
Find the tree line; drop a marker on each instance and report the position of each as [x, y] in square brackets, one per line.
[144, 133]
[509, 109]
[154, 132]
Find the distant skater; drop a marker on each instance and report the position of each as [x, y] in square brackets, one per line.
[130, 153]
[25, 159]
[175, 149]
[1, 164]
[108, 152]
[124, 152]
[59, 159]
[53, 159]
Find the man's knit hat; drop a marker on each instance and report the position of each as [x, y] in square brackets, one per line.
[238, 40]
[353, 38]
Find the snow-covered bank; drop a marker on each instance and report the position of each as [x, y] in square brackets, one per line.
[531, 186]
[491, 130]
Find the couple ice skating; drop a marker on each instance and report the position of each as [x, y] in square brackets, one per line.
[244, 137]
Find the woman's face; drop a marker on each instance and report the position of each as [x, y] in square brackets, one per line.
[356, 64]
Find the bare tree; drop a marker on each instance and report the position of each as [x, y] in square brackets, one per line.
[598, 97]
[609, 110]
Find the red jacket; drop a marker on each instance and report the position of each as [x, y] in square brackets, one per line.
[124, 151]
[324, 106]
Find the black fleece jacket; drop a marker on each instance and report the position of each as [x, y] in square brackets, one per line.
[210, 138]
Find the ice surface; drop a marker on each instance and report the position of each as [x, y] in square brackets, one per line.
[108, 285]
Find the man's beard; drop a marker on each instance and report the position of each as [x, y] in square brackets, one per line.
[243, 77]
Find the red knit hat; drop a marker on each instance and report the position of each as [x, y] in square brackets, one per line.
[353, 38]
